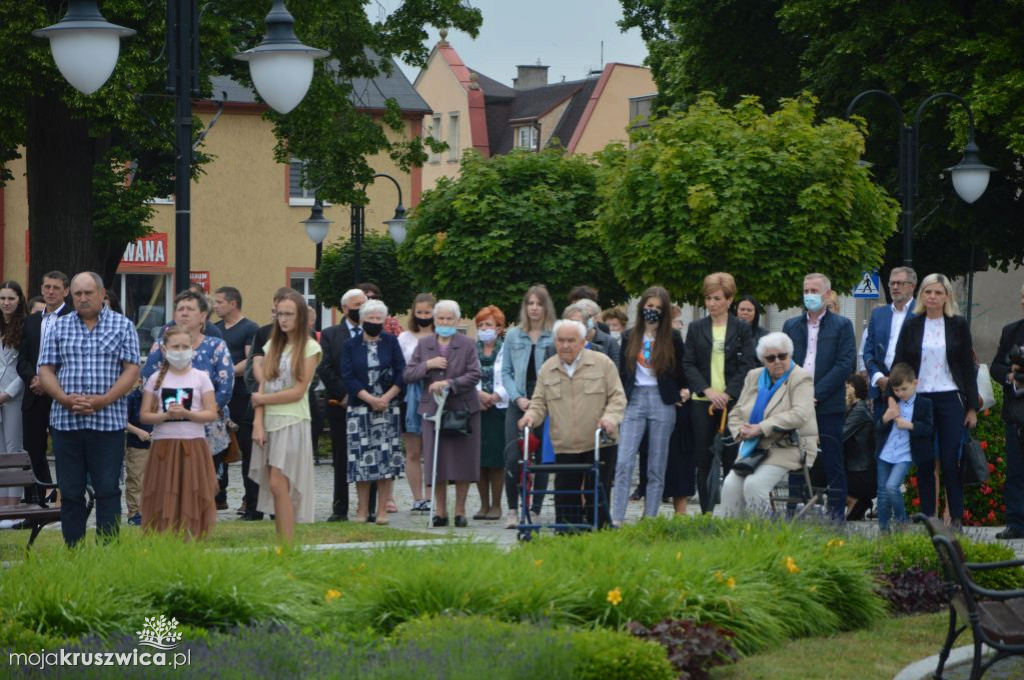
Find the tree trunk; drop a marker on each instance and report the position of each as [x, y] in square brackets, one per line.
[59, 159]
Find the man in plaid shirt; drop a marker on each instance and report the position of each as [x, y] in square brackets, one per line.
[88, 362]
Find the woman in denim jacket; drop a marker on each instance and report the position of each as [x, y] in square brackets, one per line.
[525, 349]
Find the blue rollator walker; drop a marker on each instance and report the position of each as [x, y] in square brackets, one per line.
[527, 525]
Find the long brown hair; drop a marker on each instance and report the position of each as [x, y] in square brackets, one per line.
[544, 297]
[296, 339]
[165, 365]
[11, 332]
[427, 298]
[663, 360]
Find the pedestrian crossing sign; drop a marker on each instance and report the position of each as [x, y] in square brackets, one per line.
[869, 286]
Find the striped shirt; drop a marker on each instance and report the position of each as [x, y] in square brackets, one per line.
[90, 362]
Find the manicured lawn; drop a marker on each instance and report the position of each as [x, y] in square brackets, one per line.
[234, 534]
[880, 651]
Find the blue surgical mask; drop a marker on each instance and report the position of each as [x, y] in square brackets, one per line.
[486, 335]
[590, 324]
[445, 331]
[812, 301]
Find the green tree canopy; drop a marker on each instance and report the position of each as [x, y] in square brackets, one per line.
[838, 48]
[76, 147]
[768, 198]
[506, 223]
[378, 263]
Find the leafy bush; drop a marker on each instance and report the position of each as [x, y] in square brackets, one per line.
[609, 655]
[983, 503]
[913, 591]
[378, 263]
[692, 648]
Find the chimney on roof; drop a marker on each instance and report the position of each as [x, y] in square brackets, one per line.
[530, 76]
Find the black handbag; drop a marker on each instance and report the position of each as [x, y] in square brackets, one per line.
[748, 464]
[455, 422]
[973, 462]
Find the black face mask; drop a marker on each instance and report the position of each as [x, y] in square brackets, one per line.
[372, 329]
[353, 315]
[423, 323]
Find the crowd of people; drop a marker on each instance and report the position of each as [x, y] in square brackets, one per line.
[723, 409]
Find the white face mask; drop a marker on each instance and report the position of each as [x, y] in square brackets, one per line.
[180, 358]
[615, 334]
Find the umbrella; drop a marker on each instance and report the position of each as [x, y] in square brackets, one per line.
[714, 480]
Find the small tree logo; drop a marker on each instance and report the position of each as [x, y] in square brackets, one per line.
[160, 632]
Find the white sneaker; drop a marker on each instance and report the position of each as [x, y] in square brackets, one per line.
[512, 519]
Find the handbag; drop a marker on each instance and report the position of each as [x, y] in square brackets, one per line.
[985, 390]
[748, 464]
[455, 422]
[973, 461]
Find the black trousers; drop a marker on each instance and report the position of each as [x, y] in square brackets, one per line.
[339, 458]
[242, 416]
[35, 423]
[579, 508]
[704, 428]
[513, 454]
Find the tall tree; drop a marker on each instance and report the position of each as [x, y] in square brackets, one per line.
[92, 162]
[508, 222]
[838, 48]
[766, 197]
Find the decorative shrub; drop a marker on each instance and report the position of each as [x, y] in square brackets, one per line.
[983, 503]
[692, 648]
[913, 591]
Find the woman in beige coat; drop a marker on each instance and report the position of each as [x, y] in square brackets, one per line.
[775, 412]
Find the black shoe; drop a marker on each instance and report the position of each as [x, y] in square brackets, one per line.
[371, 518]
[337, 518]
[440, 521]
[1010, 534]
[461, 522]
[221, 505]
[251, 517]
[636, 496]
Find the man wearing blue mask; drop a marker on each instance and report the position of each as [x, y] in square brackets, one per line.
[824, 346]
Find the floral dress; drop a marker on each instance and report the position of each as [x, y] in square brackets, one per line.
[211, 356]
[375, 438]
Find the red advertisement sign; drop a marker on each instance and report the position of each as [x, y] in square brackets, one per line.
[201, 279]
[148, 251]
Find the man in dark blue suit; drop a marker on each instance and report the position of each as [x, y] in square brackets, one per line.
[823, 345]
[1002, 374]
[883, 332]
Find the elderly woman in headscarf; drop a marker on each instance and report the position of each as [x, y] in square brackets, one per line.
[774, 422]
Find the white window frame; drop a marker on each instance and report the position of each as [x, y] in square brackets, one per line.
[453, 137]
[435, 132]
[308, 195]
[122, 291]
[532, 136]
[309, 297]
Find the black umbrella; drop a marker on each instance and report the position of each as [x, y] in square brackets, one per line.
[714, 480]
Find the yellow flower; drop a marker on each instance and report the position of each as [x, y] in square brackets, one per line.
[277, 550]
[747, 528]
[731, 582]
[615, 596]
[813, 589]
[835, 543]
[679, 555]
[791, 566]
[718, 576]
[537, 563]
[332, 594]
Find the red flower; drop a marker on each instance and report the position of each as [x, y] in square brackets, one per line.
[991, 468]
[991, 516]
[988, 411]
[967, 514]
[1002, 508]
[984, 445]
[916, 502]
[913, 482]
[991, 501]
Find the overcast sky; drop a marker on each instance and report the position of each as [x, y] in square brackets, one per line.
[563, 34]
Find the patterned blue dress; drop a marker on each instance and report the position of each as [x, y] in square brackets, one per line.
[374, 437]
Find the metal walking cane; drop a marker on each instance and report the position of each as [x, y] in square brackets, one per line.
[436, 419]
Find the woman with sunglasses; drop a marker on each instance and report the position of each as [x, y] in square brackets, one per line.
[651, 369]
[774, 414]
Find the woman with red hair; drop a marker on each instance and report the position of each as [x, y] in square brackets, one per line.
[490, 327]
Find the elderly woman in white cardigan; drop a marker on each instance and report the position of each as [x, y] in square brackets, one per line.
[777, 401]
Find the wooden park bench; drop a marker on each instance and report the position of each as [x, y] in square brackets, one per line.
[995, 617]
[16, 472]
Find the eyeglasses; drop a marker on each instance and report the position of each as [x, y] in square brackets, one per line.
[897, 284]
[772, 358]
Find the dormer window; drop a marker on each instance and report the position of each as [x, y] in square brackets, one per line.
[526, 137]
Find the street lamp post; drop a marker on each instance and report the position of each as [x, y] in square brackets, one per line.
[970, 175]
[396, 226]
[317, 227]
[85, 47]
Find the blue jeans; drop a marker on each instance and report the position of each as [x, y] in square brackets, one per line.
[98, 456]
[890, 498]
[645, 410]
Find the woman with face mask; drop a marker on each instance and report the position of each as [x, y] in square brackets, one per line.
[372, 366]
[490, 326]
[179, 481]
[651, 369]
[210, 354]
[421, 325]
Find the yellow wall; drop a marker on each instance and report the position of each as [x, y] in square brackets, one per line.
[244, 232]
[444, 94]
[549, 122]
[610, 117]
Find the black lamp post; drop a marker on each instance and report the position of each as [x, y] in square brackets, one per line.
[970, 175]
[317, 227]
[85, 47]
[396, 226]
